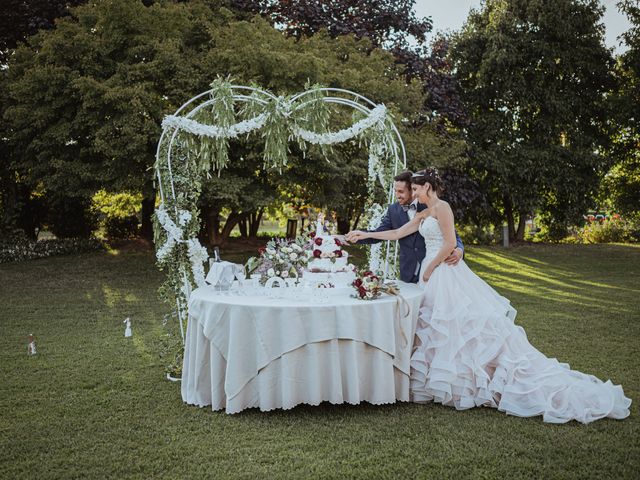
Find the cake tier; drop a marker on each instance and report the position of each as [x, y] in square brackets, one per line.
[337, 279]
[328, 264]
[328, 244]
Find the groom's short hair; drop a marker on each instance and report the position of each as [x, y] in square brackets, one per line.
[404, 177]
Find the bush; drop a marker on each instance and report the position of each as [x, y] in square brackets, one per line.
[614, 230]
[117, 213]
[17, 247]
[478, 235]
[121, 228]
[71, 218]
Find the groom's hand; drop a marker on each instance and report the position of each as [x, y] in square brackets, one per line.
[354, 236]
[454, 258]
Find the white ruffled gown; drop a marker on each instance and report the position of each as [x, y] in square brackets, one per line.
[469, 353]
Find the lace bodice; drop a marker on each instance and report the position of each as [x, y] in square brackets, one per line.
[433, 238]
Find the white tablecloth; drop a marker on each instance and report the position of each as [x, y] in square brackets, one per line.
[253, 351]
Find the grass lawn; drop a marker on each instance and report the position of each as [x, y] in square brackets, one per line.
[92, 404]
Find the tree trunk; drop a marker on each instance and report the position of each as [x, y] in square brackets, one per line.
[232, 220]
[254, 222]
[343, 225]
[508, 213]
[148, 206]
[242, 226]
[356, 221]
[522, 221]
[212, 222]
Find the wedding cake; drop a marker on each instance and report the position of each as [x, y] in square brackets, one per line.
[328, 263]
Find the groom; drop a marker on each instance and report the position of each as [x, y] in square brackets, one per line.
[412, 249]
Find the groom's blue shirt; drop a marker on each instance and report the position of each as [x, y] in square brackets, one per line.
[412, 248]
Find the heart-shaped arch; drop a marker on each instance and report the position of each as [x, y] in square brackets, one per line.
[194, 141]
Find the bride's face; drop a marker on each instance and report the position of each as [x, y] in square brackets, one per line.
[420, 192]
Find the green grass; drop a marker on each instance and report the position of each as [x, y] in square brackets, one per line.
[93, 404]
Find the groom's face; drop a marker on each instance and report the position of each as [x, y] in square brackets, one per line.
[403, 192]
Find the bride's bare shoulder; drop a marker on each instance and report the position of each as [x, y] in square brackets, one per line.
[442, 207]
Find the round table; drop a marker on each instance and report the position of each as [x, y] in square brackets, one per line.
[246, 351]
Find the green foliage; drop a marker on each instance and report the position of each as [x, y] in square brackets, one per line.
[618, 230]
[621, 185]
[538, 107]
[117, 213]
[116, 205]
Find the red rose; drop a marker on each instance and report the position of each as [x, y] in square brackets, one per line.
[362, 291]
[338, 242]
[338, 253]
[368, 273]
[312, 234]
[357, 282]
[261, 250]
[317, 253]
[318, 241]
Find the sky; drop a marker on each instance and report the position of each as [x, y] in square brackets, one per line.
[451, 14]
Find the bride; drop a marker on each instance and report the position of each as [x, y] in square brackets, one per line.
[468, 352]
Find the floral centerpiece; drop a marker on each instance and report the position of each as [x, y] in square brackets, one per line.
[370, 286]
[280, 258]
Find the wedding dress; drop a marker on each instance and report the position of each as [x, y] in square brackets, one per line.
[470, 353]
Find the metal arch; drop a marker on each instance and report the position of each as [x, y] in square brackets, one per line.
[355, 104]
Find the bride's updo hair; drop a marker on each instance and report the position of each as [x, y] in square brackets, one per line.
[431, 176]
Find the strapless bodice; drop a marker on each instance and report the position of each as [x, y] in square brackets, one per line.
[433, 238]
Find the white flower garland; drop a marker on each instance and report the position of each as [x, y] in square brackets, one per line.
[198, 255]
[197, 128]
[376, 117]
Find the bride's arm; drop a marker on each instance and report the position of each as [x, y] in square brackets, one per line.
[406, 229]
[445, 219]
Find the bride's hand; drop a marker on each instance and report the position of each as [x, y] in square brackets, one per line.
[427, 274]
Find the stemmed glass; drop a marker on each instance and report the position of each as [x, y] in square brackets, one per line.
[241, 276]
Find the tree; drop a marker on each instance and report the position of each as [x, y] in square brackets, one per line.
[393, 26]
[381, 21]
[537, 106]
[622, 183]
[20, 19]
[85, 100]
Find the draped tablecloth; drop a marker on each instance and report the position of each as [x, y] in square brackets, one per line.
[254, 351]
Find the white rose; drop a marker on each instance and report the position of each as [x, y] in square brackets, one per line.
[369, 295]
[271, 272]
[293, 256]
[285, 274]
[271, 251]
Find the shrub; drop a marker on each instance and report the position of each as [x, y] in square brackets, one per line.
[478, 235]
[17, 247]
[118, 213]
[614, 230]
[71, 218]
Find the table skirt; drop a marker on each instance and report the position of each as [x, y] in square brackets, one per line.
[349, 371]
